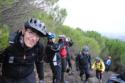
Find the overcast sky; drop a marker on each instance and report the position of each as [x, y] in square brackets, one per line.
[98, 15]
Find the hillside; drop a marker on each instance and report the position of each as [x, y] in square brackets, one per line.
[120, 36]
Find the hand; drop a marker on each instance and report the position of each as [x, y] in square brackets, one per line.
[41, 81]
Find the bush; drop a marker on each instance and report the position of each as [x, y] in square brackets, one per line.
[4, 33]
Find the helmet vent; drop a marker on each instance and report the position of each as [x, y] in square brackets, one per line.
[35, 21]
[30, 20]
[40, 25]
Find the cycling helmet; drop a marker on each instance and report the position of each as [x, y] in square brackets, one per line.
[97, 58]
[67, 39]
[36, 25]
[85, 48]
[51, 35]
[62, 37]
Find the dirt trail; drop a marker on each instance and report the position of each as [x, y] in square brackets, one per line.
[75, 77]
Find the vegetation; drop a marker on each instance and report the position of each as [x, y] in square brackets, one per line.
[13, 13]
[4, 33]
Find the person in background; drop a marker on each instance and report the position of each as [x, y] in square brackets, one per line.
[53, 57]
[108, 63]
[84, 63]
[99, 67]
[63, 54]
[18, 59]
[69, 43]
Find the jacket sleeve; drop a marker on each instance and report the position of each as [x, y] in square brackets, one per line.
[103, 66]
[77, 61]
[1, 57]
[39, 63]
[90, 60]
[93, 66]
[4, 53]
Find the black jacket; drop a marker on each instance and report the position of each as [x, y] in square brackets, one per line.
[18, 61]
[83, 61]
[52, 49]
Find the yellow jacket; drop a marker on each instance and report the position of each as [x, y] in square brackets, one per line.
[98, 66]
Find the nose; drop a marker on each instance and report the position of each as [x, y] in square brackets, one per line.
[34, 38]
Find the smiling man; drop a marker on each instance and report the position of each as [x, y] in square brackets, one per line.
[19, 58]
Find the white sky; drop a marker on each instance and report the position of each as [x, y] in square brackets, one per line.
[98, 15]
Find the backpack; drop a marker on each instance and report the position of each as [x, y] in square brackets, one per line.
[50, 51]
[84, 59]
[14, 36]
[63, 52]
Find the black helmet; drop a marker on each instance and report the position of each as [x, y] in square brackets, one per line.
[36, 25]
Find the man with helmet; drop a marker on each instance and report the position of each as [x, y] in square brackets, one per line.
[84, 63]
[53, 58]
[18, 59]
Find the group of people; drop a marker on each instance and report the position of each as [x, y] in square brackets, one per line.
[85, 65]
[25, 53]
[58, 56]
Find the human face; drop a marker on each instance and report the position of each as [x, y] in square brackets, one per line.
[30, 38]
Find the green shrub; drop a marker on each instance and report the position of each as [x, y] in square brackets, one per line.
[4, 33]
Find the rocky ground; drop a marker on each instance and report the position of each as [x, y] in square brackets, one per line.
[74, 78]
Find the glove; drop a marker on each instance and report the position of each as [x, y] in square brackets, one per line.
[41, 81]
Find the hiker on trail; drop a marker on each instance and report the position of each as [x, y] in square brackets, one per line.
[63, 54]
[18, 59]
[108, 63]
[84, 63]
[69, 43]
[99, 67]
[53, 57]
[77, 60]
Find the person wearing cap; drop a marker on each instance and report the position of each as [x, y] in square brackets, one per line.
[53, 58]
[18, 59]
[99, 67]
[108, 63]
[84, 63]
